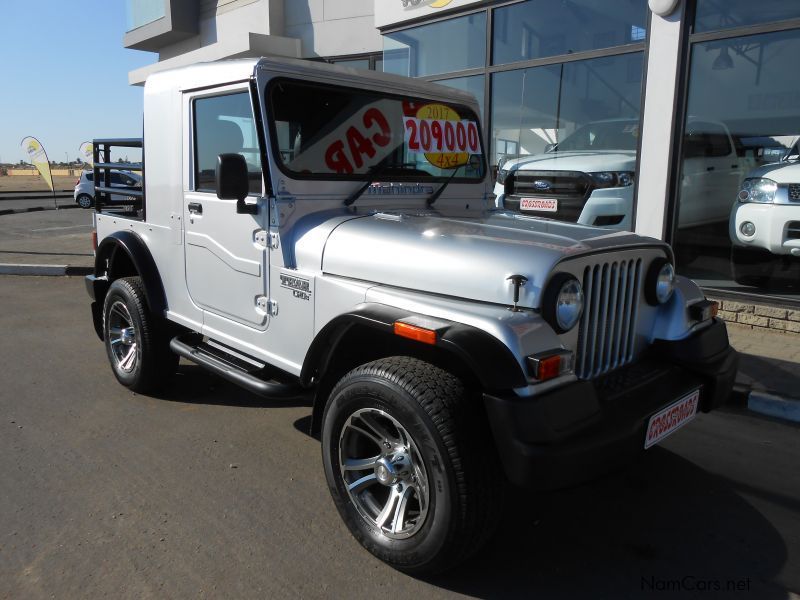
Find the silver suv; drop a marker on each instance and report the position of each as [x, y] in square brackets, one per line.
[306, 229]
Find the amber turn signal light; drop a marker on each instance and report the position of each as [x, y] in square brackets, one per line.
[412, 332]
[549, 365]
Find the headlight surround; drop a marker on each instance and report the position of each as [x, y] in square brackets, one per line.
[660, 283]
[758, 189]
[562, 302]
[612, 179]
[501, 176]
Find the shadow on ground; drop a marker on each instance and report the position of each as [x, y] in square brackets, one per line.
[663, 525]
[193, 384]
[770, 374]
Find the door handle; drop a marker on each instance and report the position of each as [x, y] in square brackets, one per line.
[710, 168]
[195, 208]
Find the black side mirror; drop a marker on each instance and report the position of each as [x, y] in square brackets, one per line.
[232, 182]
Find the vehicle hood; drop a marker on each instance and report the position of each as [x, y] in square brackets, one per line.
[783, 172]
[585, 161]
[467, 256]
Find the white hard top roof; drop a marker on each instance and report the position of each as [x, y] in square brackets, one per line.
[202, 75]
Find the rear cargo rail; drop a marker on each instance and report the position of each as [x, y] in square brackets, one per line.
[133, 203]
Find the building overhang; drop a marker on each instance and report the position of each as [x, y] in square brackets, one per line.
[180, 21]
[251, 45]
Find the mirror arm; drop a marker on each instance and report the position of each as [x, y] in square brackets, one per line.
[243, 208]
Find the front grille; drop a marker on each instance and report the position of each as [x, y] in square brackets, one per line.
[607, 335]
[793, 230]
[551, 184]
[794, 192]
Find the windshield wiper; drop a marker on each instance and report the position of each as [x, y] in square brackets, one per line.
[435, 195]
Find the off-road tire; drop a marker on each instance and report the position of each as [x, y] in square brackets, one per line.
[448, 426]
[151, 362]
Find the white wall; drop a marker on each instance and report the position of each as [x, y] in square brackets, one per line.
[332, 27]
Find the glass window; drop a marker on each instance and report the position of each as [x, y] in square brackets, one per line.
[443, 47]
[347, 133]
[712, 15]
[540, 28]
[356, 63]
[224, 124]
[738, 220]
[473, 85]
[568, 134]
[141, 12]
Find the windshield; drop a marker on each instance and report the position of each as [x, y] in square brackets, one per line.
[332, 132]
[604, 135]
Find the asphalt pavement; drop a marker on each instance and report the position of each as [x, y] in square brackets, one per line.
[208, 491]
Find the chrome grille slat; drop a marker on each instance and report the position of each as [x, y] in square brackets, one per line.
[588, 288]
[607, 332]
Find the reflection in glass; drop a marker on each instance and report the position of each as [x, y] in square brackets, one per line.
[443, 47]
[726, 14]
[139, 13]
[739, 196]
[224, 124]
[568, 134]
[540, 28]
[473, 85]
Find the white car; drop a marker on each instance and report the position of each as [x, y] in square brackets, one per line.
[588, 177]
[84, 187]
[765, 222]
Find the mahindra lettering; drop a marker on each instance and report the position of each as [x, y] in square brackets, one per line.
[310, 230]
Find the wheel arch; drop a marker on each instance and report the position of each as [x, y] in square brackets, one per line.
[367, 333]
[125, 254]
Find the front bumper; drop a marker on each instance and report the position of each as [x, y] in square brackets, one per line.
[582, 430]
[772, 231]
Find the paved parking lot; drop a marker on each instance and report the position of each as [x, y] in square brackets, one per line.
[209, 491]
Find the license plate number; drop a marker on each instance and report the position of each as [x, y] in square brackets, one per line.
[672, 418]
[539, 204]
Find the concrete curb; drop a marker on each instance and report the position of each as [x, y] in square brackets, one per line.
[14, 211]
[44, 270]
[772, 405]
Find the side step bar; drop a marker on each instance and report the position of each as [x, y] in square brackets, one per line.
[187, 347]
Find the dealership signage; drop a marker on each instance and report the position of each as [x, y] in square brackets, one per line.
[392, 12]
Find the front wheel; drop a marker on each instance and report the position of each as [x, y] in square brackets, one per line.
[410, 464]
[137, 342]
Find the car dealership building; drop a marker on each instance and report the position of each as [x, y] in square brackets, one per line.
[663, 113]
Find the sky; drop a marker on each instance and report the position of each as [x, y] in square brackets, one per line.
[64, 76]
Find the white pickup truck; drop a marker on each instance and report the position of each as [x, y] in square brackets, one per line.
[588, 178]
[765, 222]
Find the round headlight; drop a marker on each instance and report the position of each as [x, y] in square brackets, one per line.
[660, 282]
[562, 302]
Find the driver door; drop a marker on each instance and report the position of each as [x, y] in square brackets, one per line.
[226, 262]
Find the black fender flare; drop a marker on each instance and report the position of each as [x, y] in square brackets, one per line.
[491, 361]
[134, 248]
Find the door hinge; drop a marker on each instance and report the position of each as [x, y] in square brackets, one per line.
[267, 305]
[266, 239]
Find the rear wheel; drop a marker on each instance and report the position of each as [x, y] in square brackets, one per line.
[410, 464]
[137, 342]
[85, 201]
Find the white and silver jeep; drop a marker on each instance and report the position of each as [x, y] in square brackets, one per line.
[308, 229]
